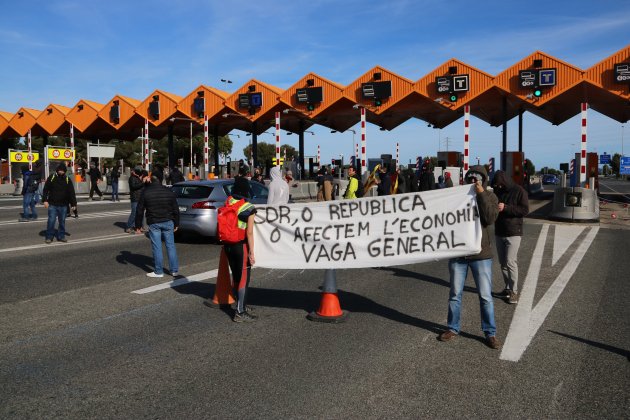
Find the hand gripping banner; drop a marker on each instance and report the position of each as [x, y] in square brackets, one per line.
[370, 231]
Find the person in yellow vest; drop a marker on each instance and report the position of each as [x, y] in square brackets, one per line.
[353, 184]
[241, 255]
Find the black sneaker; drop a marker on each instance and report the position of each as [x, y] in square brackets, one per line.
[505, 294]
[244, 317]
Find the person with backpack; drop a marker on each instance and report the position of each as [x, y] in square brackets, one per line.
[58, 193]
[162, 212]
[236, 219]
[30, 187]
[355, 186]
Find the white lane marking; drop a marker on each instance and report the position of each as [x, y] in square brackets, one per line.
[527, 318]
[178, 282]
[562, 240]
[75, 242]
[81, 217]
[80, 204]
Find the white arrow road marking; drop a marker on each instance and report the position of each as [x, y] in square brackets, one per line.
[527, 318]
[178, 282]
[562, 240]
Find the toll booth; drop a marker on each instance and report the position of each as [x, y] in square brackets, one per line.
[514, 166]
[592, 169]
[450, 159]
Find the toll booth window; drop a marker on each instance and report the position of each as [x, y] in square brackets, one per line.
[192, 191]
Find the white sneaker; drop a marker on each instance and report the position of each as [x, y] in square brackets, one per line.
[175, 273]
[154, 274]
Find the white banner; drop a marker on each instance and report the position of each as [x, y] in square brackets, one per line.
[370, 231]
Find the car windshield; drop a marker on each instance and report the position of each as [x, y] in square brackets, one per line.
[192, 191]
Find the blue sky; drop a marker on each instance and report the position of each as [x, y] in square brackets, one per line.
[63, 51]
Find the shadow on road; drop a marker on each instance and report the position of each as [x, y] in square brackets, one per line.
[612, 349]
[309, 301]
[141, 261]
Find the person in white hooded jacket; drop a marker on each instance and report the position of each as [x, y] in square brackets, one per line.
[278, 188]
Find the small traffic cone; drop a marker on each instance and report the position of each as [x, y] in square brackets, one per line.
[329, 308]
[223, 289]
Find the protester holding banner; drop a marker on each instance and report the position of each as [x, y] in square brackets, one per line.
[241, 255]
[278, 187]
[480, 265]
[508, 230]
[384, 182]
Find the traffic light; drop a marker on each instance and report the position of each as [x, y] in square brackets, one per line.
[537, 92]
[310, 107]
[378, 102]
[453, 97]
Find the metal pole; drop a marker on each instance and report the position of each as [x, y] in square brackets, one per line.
[255, 144]
[301, 147]
[520, 131]
[171, 149]
[504, 106]
[216, 150]
[191, 153]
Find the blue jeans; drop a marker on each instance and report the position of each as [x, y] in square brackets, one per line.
[131, 222]
[482, 274]
[114, 190]
[56, 212]
[28, 206]
[157, 232]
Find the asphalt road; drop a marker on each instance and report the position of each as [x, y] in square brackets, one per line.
[81, 336]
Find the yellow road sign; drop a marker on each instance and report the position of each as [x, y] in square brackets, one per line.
[60, 153]
[22, 156]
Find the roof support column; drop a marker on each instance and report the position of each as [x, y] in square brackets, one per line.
[254, 144]
[215, 152]
[504, 148]
[301, 148]
[171, 150]
[520, 130]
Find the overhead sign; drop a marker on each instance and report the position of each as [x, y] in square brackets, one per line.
[624, 165]
[604, 159]
[102, 151]
[452, 84]
[250, 100]
[370, 231]
[622, 73]
[60, 153]
[310, 95]
[535, 78]
[23, 157]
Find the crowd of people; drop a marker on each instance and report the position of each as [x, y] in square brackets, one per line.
[503, 206]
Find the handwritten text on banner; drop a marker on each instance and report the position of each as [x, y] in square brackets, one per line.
[370, 231]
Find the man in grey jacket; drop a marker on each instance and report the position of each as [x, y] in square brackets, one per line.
[480, 265]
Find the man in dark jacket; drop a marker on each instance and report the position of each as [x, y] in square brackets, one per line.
[427, 179]
[163, 219]
[480, 265]
[58, 193]
[176, 176]
[30, 186]
[95, 178]
[384, 182]
[135, 191]
[508, 230]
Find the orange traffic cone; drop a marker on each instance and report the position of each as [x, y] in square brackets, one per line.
[223, 289]
[329, 308]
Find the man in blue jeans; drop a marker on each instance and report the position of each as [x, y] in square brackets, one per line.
[58, 194]
[163, 219]
[135, 191]
[480, 265]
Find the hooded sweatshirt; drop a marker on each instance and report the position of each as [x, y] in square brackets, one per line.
[487, 204]
[510, 220]
[278, 188]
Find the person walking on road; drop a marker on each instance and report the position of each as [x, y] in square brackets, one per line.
[241, 255]
[278, 187]
[95, 178]
[115, 176]
[160, 205]
[30, 187]
[58, 193]
[135, 191]
[176, 176]
[508, 229]
[480, 265]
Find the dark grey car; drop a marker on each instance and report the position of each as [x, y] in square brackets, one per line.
[198, 202]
